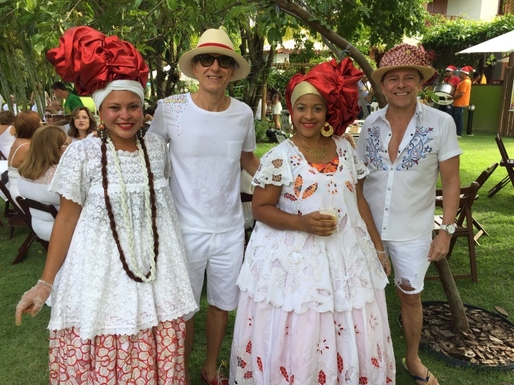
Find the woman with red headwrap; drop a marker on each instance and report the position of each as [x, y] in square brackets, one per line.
[116, 264]
[312, 305]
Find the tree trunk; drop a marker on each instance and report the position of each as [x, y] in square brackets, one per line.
[460, 321]
[308, 19]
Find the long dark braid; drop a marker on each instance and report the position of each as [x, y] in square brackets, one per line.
[110, 213]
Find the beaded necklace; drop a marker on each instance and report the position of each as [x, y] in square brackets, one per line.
[150, 276]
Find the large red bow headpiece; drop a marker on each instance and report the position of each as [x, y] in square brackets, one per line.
[90, 59]
[337, 84]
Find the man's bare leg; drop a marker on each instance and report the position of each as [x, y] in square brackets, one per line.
[215, 327]
[412, 319]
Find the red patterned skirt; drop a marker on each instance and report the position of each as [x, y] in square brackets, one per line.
[153, 356]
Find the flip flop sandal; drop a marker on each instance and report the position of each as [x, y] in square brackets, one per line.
[417, 378]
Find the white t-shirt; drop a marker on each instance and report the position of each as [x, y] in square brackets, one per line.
[205, 152]
[401, 195]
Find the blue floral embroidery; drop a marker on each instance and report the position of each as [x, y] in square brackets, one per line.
[373, 149]
[417, 148]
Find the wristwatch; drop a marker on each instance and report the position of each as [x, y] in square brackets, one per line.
[450, 228]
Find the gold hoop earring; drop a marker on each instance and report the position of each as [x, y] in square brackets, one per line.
[327, 130]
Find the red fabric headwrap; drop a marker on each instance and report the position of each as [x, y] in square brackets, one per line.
[337, 84]
[90, 59]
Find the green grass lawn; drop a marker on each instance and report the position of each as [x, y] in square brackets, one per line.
[23, 350]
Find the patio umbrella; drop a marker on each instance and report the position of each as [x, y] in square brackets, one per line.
[502, 43]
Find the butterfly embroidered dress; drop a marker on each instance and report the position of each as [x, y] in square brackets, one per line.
[312, 309]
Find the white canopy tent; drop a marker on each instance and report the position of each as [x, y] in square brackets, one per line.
[502, 43]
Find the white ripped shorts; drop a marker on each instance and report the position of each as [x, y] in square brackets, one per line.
[410, 262]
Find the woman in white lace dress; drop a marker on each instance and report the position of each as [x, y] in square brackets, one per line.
[312, 305]
[36, 173]
[115, 267]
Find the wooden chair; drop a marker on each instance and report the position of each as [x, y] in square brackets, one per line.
[30, 204]
[506, 162]
[16, 217]
[482, 178]
[464, 227]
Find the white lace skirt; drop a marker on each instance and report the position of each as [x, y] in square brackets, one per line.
[274, 347]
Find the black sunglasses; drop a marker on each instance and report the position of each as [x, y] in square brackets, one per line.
[49, 116]
[207, 60]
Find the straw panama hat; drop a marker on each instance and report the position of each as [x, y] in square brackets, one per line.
[214, 41]
[404, 56]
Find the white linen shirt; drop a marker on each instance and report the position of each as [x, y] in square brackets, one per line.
[401, 195]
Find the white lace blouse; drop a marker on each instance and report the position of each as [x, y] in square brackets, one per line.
[298, 271]
[92, 292]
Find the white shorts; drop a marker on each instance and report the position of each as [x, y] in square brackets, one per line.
[218, 257]
[410, 262]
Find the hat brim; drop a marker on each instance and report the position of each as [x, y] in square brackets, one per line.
[426, 72]
[186, 61]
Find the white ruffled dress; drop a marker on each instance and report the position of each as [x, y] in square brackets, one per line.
[312, 309]
[93, 297]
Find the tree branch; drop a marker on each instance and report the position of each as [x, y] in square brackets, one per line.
[293, 9]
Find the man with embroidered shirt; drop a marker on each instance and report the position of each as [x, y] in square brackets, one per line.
[211, 137]
[461, 97]
[405, 146]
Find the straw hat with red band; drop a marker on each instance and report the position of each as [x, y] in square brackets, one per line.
[451, 68]
[214, 41]
[336, 83]
[404, 56]
[467, 70]
[91, 60]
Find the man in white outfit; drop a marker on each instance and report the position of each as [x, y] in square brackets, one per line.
[211, 137]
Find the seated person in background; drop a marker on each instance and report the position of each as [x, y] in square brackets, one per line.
[36, 173]
[82, 123]
[7, 137]
[26, 123]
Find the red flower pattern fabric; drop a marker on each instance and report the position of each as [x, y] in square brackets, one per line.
[154, 356]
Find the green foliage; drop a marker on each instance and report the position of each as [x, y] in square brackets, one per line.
[447, 37]
[260, 130]
[164, 30]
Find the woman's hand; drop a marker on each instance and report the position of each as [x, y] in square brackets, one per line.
[318, 224]
[384, 261]
[33, 300]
